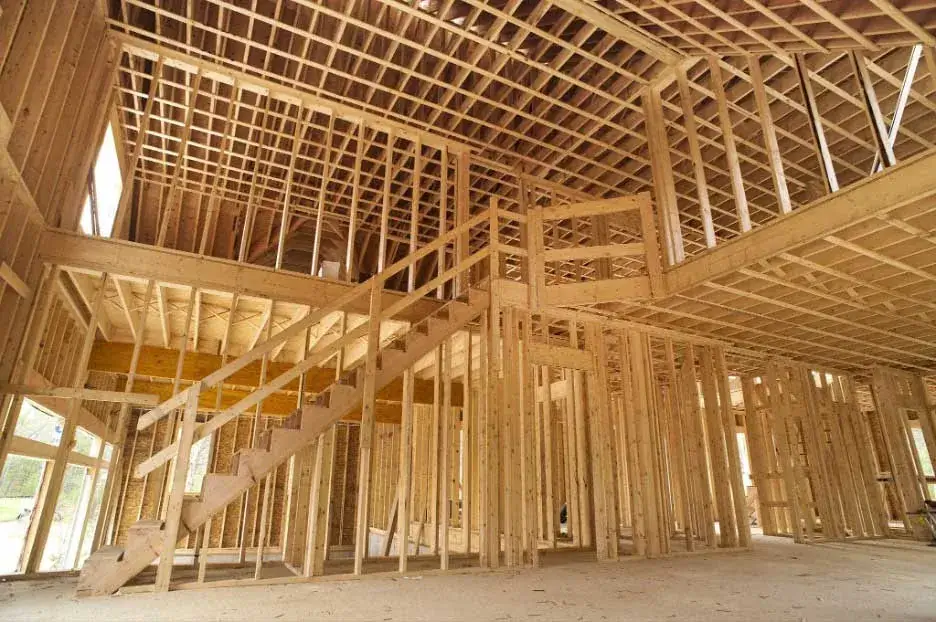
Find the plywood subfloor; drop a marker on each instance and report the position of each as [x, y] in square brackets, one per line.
[776, 581]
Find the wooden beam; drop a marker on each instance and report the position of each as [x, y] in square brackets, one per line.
[11, 278]
[604, 251]
[909, 182]
[593, 292]
[600, 207]
[156, 362]
[143, 261]
[560, 356]
[94, 395]
[620, 29]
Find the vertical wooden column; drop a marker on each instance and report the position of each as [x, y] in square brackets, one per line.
[462, 208]
[865, 457]
[488, 536]
[468, 453]
[433, 482]
[264, 523]
[721, 476]
[581, 446]
[847, 470]
[696, 426]
[549, 446]
[757, 455]
[606, 536]
[695, 154]
[647, 518]
[445, 452]
[319, 501]
[320, 209]
[906, 484]
[406, 470]
[174, 190]
[535, 250]
[629, 404]
[530, 467]
[872, 108]
[177, 491]
[510, 442]
[732, 161]
[662, 169]
[681, 451]
[815, 125]
[573, 509]
[385, 205]
[777, 422]
[769, 131]
[735, 481]
[652, 253]
[108, 511]
[351, 267]
[122, 220]
[414, 210]
[368, 417]
[287, 198]
[820, 474]
[442, 253]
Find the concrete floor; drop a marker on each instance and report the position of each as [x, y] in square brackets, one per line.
[776, 581]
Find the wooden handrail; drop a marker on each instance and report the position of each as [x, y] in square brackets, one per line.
[417, 294]
[474, 221]
[316, 358]
[217, 376]
[252, 399]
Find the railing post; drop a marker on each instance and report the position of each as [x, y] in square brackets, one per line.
[177, 491]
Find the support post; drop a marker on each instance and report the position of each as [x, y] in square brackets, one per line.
[177, 491]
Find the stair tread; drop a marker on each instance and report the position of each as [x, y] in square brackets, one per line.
[109, 552]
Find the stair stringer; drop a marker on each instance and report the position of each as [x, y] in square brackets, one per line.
[219, 490]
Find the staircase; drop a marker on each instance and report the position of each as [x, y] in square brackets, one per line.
[109, 568]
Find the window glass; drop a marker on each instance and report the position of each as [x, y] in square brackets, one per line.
[19, 488]
[108, 452]
[105, 195]
[920, 442]
[743, 458]
[86, 443]
[198, 465]
[38, 424]
[65, 532]
[94, 514]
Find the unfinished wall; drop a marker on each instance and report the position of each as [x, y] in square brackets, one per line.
[55, 76]
[828, 463]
